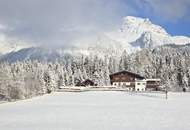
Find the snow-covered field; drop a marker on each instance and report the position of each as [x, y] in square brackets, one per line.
[98, 111]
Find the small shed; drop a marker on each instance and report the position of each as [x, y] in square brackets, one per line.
[86, 82]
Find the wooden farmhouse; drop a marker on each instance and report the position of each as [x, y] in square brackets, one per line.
[133, 82]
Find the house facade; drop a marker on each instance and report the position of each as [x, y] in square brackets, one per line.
[133, 82]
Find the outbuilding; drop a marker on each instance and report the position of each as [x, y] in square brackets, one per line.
[86, 82]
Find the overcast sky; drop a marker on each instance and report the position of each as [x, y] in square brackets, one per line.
[59, 21]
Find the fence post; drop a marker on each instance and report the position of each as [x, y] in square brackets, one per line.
[166, 92]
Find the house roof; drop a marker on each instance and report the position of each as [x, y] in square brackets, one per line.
[87, 80]
[153, 79]
[127, 72]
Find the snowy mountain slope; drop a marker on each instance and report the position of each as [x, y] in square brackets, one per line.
[34, 53]
[8, 45]
[151, 40]
[180, 40]
[134, 34]
[59, 54]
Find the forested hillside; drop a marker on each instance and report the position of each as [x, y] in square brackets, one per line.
[25, 79]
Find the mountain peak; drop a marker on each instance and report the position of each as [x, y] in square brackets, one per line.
[141, 25]
[136, 19]
[135, 33]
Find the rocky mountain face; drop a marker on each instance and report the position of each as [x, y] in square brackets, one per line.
[142, 33]
[133, 35]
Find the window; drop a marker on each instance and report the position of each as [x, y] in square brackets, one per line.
[115, 84]
[138, 89]
[123, 78]
[116, 78]
[138, 84]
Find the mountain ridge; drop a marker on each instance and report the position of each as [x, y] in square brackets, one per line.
[135, 34]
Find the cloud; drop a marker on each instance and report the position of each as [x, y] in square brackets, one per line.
[170, 10]
[59, 21]
[2, 27]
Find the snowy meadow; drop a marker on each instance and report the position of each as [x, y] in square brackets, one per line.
[94, 65]
[98, 110]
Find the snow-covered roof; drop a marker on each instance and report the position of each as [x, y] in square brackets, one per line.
[127, 72]
[153, 79]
